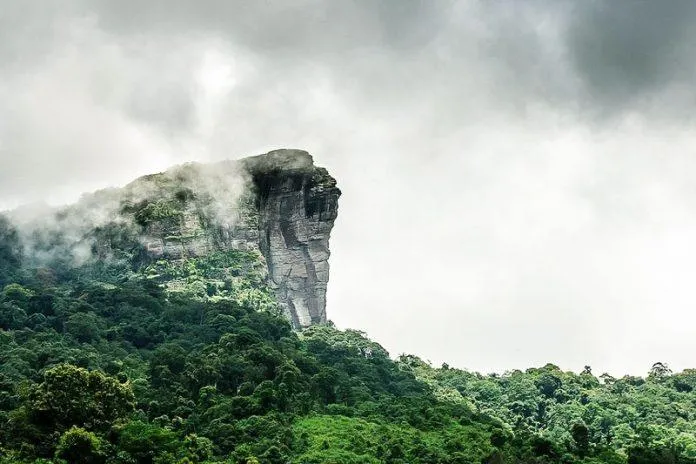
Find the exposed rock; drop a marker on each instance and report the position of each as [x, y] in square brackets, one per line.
[278, 204]
[298, 204]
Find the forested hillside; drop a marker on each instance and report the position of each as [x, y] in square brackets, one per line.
[103, 364]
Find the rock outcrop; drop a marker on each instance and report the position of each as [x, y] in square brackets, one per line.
[279, 204]
[297, 205]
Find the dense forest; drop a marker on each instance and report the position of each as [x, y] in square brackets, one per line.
[102, 363]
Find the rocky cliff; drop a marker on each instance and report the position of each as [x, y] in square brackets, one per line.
[297, 205]
[279, 206]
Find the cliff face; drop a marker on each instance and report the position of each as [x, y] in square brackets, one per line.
[278, 205]
[297, 204]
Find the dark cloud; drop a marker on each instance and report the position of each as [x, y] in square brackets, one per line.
[599, 58]
[635, 55]
[303, 27]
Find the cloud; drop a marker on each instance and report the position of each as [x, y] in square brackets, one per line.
[516, 175]
[635, 58]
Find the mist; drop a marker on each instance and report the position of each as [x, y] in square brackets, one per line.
[517, 177]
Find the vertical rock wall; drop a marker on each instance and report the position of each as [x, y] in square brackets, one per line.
[297, 204]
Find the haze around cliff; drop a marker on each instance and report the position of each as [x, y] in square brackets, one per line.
[69, 233]
[517, 177]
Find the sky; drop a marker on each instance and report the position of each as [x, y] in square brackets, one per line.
[517, 176]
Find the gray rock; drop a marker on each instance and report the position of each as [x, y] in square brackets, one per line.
[298, 204]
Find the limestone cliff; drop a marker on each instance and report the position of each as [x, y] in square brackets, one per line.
[279, 205]
[297, 204]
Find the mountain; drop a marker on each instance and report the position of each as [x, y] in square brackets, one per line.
[164, 322]
[278, 205]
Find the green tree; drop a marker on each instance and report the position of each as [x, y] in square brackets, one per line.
[85, 327]
[144, 442]
[72, 396]
[78, 446]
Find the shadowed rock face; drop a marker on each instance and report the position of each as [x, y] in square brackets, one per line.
[297, 205]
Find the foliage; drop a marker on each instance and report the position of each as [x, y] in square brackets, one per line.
[190, 361]
[147, 212]
[79, 446]
[10, 251]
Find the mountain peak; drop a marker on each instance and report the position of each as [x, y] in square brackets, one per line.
[278, 207]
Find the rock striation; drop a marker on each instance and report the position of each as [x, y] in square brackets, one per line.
[297, 204]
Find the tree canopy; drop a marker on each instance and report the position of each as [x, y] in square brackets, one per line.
[108, 363]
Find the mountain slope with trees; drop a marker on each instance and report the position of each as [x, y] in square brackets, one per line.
[112, 353]
[105, 364]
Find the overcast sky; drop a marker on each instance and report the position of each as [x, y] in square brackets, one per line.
[518, 176]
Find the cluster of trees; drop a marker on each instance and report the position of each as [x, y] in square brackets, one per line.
[123, 372]
[104, 365]
[630, 419]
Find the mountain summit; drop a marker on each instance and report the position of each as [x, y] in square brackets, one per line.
[187, 229]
